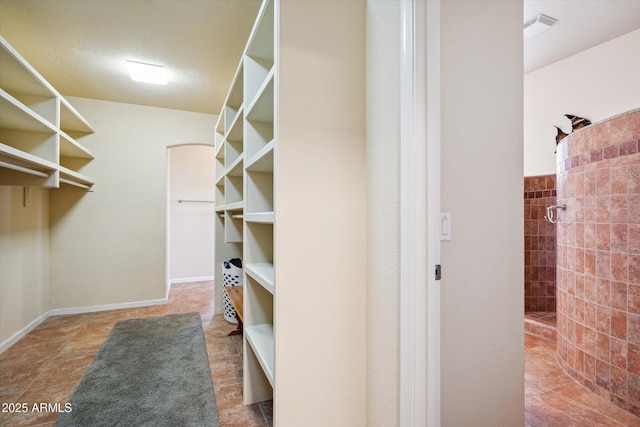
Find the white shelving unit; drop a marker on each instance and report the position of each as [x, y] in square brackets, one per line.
[229, 186]
[260, 216]
[39, 129]
[293, 177]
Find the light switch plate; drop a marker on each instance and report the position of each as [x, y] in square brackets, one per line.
[445, 226]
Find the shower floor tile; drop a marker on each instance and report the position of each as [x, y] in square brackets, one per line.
[554, 399]
[541, 324]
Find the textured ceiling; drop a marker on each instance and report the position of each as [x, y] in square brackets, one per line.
[80, 46]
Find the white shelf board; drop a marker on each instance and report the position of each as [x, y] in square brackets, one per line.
[74, 183]
[19, 76]
[220, 150]
[74, 178]
[234, 96]
[235, 169]
[260, 338]
[220, 178]
[262, 161]
[234, 206]
[220, 123]
[69, 147]
[17, 116]
[22, 159]
[263, 217]
[261, 106]
[263, 273]
[71, 120]
[235, 129]
[261, 39]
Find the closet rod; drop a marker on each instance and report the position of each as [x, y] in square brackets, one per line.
[22, 169]
[195, 201]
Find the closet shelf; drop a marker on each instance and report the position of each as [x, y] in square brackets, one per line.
[71, 120]
[263, 273]
[263, 217]
[17, 116]
[260, 338]
[20, 168]
[74, 178]
[235, 169]
[262, 161]
[38, 128]
[18, 76]
[235, 128]
[220, 179]
[75, 184]
[234, 99]
[220, 123]
[69, 147]
[234, 206]
[220, 150]
[261, 107]
[22, 159]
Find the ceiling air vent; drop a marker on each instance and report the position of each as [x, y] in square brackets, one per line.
[538, 24]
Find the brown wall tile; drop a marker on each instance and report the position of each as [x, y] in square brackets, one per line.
[598, 258]
[540, 244]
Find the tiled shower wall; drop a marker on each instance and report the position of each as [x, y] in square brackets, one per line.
[540, 244]
[598, 274]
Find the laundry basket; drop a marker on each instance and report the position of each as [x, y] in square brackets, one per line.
[231, 276]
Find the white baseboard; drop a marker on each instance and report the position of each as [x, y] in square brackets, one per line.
[192, 279]
[75, 310]
[24, 331]
[105, 307]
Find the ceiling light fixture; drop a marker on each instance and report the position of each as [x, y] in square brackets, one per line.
[146, 73]
[538, 24]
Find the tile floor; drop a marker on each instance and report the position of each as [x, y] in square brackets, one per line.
[541, 324]
[47, 364]
[554, 399]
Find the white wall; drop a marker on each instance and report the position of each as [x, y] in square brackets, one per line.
[109, 246]
[597, 84]
[482, 316]
[24, 258]
[383, 214]
[191, 177]
[320, 204]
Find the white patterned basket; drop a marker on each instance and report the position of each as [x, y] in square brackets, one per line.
[231, 276]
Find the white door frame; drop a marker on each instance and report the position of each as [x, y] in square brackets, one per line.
[420, 208]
